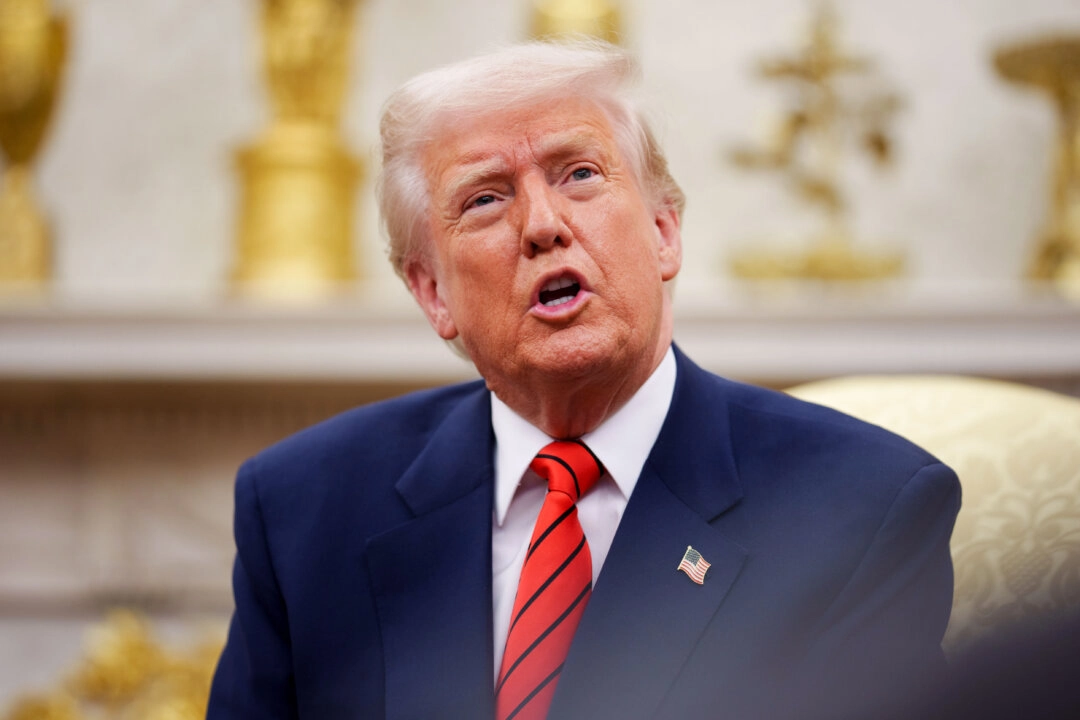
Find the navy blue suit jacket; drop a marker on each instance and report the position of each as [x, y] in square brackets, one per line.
[363, 570]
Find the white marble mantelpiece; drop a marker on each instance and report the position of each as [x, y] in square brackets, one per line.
[781, 338]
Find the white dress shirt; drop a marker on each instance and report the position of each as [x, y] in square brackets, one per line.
[622, 442]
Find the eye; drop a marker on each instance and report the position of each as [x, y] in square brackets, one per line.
[482, 200]
[582, 173]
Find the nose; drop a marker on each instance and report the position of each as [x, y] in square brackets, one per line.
[542, 227]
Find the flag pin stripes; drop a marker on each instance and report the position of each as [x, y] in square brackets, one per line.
[694, 565]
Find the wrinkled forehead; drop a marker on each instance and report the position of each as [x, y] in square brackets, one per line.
[547, 128]
[554, 128]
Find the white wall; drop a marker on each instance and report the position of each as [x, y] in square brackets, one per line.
[139, 179]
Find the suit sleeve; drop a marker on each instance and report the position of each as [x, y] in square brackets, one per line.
[880, 640]
[254, 677]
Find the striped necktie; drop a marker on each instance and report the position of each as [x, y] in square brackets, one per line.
[555, 584]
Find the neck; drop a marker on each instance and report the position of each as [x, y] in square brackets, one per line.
[566, 408]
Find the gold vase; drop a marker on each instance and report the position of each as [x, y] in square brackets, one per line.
[599, 18]
[1053, 65]
[299, 179]
[33, 46]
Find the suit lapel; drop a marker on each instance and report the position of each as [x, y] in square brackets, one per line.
[645, 617]
[431, 576]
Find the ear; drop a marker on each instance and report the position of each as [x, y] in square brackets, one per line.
[669, 232]
[424, 285]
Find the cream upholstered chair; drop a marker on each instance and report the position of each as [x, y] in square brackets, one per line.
[1016, 449]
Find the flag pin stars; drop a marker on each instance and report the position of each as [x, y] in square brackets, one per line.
[694, 565]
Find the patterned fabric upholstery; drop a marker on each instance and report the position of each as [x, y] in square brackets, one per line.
[1016, 547]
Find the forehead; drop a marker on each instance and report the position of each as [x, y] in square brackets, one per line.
[501, 138]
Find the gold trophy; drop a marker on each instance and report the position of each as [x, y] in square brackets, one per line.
[33, 46]
[552, 18]
[1053, 65]
[808, 149]
[299, 179]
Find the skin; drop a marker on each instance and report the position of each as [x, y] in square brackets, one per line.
[520, 197]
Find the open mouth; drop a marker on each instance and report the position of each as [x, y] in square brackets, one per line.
[558, 291]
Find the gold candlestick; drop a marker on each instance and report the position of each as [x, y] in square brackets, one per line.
[299, 179]
[33, 47]
[1053, 65]
[552, 18]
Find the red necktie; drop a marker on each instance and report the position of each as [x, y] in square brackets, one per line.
[555, 584]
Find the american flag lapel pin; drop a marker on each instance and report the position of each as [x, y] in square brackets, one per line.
[694, 565]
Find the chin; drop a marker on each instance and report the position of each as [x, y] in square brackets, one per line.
[573, 356]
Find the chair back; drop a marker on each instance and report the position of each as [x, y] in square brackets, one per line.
[1016, 449]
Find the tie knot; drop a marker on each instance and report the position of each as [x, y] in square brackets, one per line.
[569, 467]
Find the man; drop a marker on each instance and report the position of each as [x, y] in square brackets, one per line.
[691, 547]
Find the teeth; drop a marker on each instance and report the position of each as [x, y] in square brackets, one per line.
[559, 291]
[559, 284]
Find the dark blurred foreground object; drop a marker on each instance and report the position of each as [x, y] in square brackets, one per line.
[1032, 673]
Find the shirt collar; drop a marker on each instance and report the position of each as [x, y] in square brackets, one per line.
[622, 442]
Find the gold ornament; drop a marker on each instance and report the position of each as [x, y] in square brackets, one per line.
[126, 674]
[599, 18]
[809, 148]
[1053, 65]
[33, 47]
[53, 707]
[299, 179]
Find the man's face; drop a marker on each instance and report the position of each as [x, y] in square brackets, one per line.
[548, 259]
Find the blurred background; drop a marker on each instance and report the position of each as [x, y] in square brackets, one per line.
[191, 265]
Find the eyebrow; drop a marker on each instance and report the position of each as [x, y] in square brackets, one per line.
[476, 173]
[479, 169]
